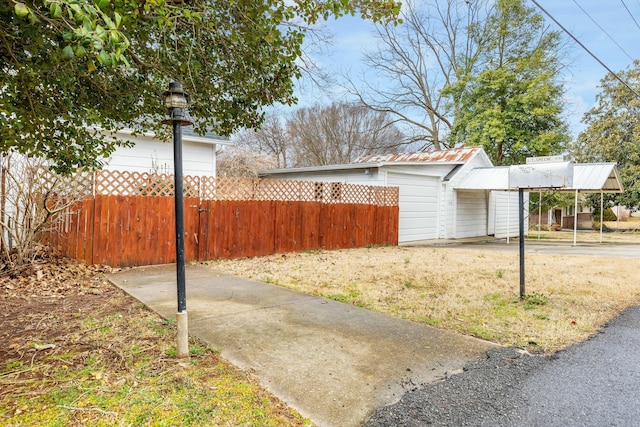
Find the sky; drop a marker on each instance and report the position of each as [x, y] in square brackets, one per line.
[353, 36]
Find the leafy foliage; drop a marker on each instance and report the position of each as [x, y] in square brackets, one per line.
[550, 200]
[613, 133]
[74, 71]
[511, 103]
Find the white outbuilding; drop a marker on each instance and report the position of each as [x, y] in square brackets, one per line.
[431, 207]
[152, 155]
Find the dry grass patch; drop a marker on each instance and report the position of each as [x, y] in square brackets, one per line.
[472, 291]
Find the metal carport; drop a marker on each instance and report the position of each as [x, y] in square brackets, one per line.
[587, 178]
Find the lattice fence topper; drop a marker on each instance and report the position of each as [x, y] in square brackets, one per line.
[123, 183]
[78, 184]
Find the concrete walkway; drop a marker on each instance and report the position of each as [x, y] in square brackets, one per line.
[333, 362]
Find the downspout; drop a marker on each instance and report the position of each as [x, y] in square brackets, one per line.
[601, 212]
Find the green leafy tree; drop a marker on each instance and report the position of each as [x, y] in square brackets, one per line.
[613, 133]
[511, 104]
[74, 71]
[549, 200]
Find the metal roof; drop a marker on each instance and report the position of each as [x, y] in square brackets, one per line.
[596, 177]
[587, 177]
[495, 178]
[319, 168]
[453, 155]
[187, 135]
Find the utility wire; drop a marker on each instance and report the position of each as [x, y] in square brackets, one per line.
[585, 48]
[629, 12]
[604, 31]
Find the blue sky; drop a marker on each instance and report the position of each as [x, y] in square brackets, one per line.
[353, 36]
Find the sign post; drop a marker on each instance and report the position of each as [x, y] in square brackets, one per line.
[538, 173]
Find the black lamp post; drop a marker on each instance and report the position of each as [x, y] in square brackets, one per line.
[176, 101]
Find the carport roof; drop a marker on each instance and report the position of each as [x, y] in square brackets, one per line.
[587, 178]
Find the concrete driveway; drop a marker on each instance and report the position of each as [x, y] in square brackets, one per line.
[532, 246]
[612, 250]
[333, 362]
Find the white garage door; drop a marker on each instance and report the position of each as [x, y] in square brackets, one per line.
[471, 214]
[418, 206]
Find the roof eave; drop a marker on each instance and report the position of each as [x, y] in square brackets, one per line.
[324, 168]
[185, 137]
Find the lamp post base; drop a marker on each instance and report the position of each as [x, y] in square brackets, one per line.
[183, 334]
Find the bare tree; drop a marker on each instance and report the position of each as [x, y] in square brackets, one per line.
[32, 196]
[271, 139]
[239, 162]
[340, 133]
[440, 42]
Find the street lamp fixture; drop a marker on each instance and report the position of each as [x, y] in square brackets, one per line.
[177, 100]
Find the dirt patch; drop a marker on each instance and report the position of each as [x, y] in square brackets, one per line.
[469, 290]
[79, 351]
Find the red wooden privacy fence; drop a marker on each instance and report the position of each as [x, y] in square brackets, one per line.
[129, 219]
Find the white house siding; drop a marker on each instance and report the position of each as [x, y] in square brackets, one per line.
[418, 216]
[149, 155]
[430, 169]
[450, 202]
[503, 213]
[446, 208]
[471, 214]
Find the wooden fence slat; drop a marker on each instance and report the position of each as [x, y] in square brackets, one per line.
[100, 221]
[191, 224]
[167, 229]
[205, 236]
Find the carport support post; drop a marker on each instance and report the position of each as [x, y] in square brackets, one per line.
[601, 212]
[539, 212]
[521, 238]
[575, 219]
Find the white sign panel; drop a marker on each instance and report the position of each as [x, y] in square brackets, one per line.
[541, 175]
[545, 159]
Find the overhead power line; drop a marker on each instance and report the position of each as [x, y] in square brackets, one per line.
[629, 12]
[586, 49]
[603, 30]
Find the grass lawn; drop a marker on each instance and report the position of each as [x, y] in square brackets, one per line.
[470, 290]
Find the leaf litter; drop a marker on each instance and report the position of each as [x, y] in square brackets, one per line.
[79, 351]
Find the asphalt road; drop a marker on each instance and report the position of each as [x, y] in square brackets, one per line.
[595, 383]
